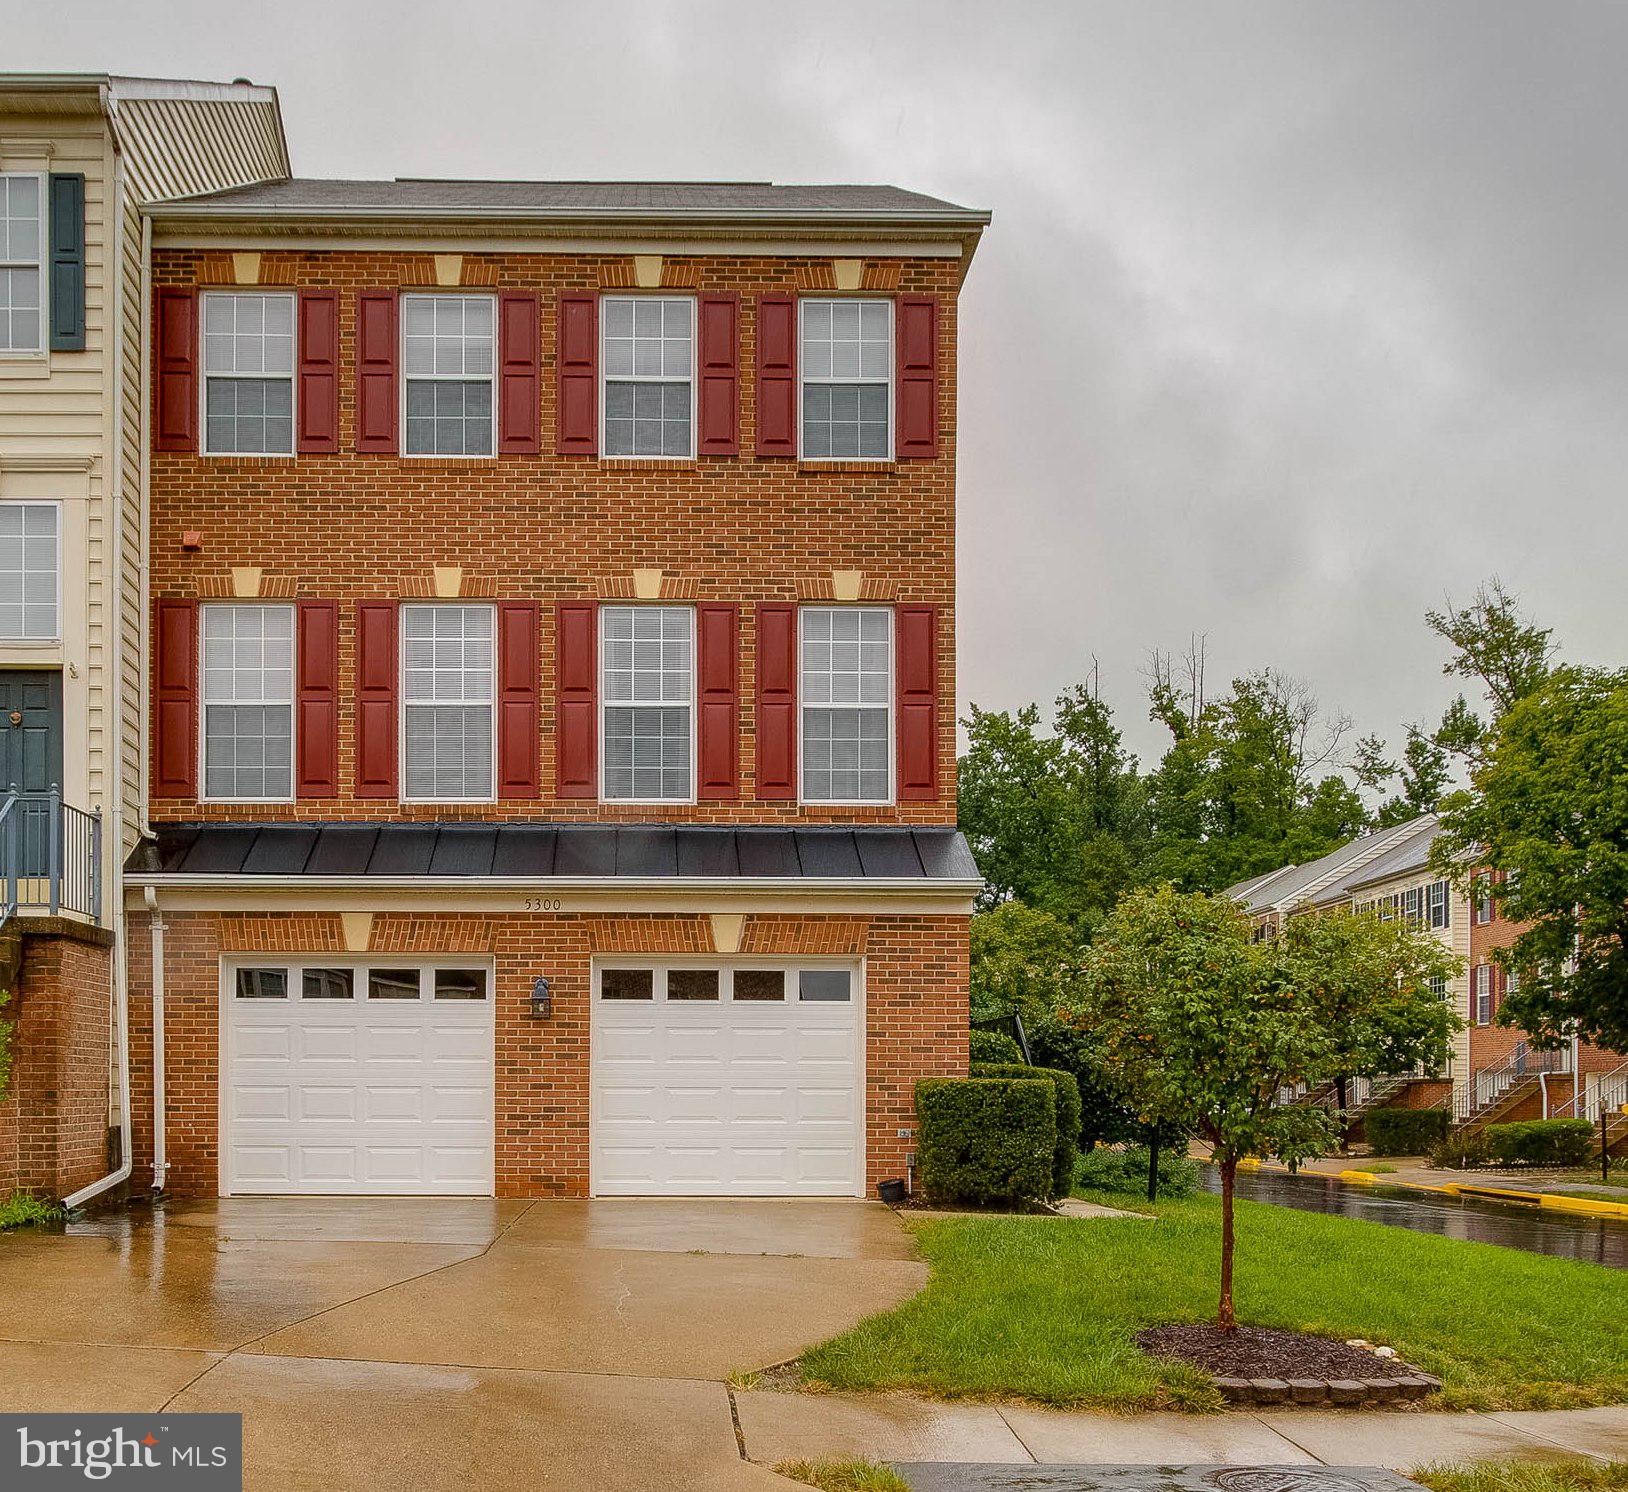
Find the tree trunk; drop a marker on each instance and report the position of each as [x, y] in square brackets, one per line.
[1153, 1167]
[1225, 1319]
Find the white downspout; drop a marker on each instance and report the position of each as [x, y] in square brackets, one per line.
[160, 1164]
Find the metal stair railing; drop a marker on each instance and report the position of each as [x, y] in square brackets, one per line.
[1491, 1084]
[1608, 1091]
[51, 857]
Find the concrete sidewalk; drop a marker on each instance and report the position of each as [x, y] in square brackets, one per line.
[901, 1428]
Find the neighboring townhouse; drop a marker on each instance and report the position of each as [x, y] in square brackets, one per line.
[79, 156]
[552, 722]
[1493, 1073]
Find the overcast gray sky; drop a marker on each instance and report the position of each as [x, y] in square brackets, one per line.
[1294, 316]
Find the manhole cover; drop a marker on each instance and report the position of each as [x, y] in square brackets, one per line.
[1282, 1479]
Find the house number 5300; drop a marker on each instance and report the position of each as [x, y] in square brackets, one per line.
[542, 904]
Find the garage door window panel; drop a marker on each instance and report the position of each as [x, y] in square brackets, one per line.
[262, 984]
[758, 986]
[627, 984]
[393, 984]
[823, 984]
[328, 984]
[692, 984]
[460, 984]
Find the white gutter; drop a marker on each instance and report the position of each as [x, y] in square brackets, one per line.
[208, 207]
[160, 1164]
[520, 885]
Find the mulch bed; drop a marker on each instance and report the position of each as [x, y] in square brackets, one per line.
[1263, 1352]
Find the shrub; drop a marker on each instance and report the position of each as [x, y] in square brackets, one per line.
[1068, 1115]
[1459, 1151]
[1404, 1131]
[22, 1209]
[994, 1046]
[1541, 1142]
[1124, 1172]
[1104, 1119]
[986, 1139]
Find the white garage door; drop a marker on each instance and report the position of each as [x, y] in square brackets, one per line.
[357, 1079]
[726, 1080]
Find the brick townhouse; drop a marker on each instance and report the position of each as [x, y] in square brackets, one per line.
[1493, 1074]
[551, 701]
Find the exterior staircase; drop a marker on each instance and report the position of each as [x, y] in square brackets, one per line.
[1497, 1091]
[1609, 1092]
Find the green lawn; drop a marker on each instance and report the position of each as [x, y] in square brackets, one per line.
[1045, 1309]
[1526, 1476]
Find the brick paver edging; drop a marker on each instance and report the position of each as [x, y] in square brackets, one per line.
[1327, 1390]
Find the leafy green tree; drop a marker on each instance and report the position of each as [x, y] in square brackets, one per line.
[1023, 962]
[1547, 805]
[1204, 1028]
[1495, 643]
[1367, 983]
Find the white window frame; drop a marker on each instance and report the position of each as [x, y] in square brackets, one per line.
[605, 378]
[890, 707]
[43, 265]
[1438, 896]
[204, 702]
[205, 375]
[293, 966]
[406, 378]
[403, 701]
[55, 638]
[1483, 976]
[606, 703]
[1482, 910]
[803, 302]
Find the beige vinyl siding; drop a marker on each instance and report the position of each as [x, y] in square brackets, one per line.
[172, 147]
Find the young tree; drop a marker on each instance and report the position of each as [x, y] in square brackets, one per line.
[1547, 806]
[1202, 1029]
[1367, 983]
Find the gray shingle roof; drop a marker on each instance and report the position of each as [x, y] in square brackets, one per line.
[653, 199]
[527, 850]
[1358, 862]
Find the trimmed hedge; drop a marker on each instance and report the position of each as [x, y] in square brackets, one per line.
[986, 1139]
[994, 1046]
[1541, 1142]
[1404, 1131]
[1067, 1153]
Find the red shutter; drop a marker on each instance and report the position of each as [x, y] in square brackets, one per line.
[576, 366]
[916, 336]
[915, 674]
[776, 701]
[719, 365]
[319, 372]
[376, 673]
[517, 775]
[777, 375]
[175, 375]
[175, 702]
[377, 397]
[519, 374]
[576, 724]
[316, 728]
[717, 723]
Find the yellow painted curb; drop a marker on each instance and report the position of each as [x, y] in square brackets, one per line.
[1587, 1206]
[1358, 1178]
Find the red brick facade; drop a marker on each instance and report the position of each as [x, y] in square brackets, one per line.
[54, 1118]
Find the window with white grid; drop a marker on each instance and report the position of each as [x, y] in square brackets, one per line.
[846, 689]
[248, 702]
[447, 361]
[1483, 994]
[248, 373]
[847, 376]
[447, 703]
[22, 263]
[29, 583]
[648, 357]
[647, 689]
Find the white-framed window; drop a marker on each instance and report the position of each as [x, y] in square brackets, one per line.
[247, 739]
[448, 356]
[1483, 994]
[647, 362]
[449, 703]
[30, 571]
[846, 369]
[845, 685]
[1437, 984]
[647, 982]
[647, 703]
[1440, 904]
[404, 979]
[22, 262]
[248, 373]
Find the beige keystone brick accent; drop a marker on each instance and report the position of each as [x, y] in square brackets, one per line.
[449, 581]
[848, 273]
[449, 270]
[647, 271]
[358, 931]
[845, 584]
[647, 585]
[245, 269]
[726, 931]
[245, 580]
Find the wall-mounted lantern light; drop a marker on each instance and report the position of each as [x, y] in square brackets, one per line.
[542, 1002]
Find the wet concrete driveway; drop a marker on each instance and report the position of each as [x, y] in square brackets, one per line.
[429, 1344]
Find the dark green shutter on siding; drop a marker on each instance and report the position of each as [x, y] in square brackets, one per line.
[67, 262]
